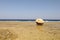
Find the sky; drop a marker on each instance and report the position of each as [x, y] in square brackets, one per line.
[29, 9]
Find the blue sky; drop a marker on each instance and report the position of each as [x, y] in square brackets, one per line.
[29, 9]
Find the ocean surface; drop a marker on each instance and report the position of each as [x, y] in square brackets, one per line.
[47, 20]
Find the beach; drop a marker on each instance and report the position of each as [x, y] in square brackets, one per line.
[15, 30]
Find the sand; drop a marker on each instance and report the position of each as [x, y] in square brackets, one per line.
[15, 30]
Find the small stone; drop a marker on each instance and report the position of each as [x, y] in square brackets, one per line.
[39, 21]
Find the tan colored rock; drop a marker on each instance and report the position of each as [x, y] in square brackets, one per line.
[39, 21]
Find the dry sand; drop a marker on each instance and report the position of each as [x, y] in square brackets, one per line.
[29, 31]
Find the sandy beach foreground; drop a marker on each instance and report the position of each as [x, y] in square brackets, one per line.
[29, 31]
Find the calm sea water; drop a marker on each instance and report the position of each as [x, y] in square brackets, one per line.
[28, 20]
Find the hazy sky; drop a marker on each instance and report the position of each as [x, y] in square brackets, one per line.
[23, 9]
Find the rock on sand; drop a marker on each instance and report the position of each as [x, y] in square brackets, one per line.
[39, 21]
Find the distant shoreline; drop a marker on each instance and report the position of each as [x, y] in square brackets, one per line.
[28, 19]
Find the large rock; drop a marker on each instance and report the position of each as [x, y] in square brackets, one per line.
[39, 21]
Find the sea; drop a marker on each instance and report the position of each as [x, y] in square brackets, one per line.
[29, 20]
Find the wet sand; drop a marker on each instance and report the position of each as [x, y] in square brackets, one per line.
[31, 31]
